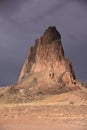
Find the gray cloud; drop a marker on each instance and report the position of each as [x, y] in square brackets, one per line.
[82, 1]
[77, 54]
[10, 7]
[56, 6]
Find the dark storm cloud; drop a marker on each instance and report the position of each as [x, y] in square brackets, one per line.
[82, 1]
[77, 54]
[57, 6]
[9, 73]
[8, 7]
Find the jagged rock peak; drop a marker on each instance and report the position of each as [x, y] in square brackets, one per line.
[51, 34]
[47, 56]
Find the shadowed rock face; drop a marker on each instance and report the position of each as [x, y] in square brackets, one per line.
[47, 56]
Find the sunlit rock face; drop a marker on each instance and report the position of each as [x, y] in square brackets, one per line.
[47, 56]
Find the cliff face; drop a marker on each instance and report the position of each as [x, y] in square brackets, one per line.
[47, 56]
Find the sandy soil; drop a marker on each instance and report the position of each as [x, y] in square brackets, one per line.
[59, 112]
[42, 118]
[38, 124]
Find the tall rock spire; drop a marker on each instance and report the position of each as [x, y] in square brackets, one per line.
[47, 56]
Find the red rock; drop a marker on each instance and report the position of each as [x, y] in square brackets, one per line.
[47, 56]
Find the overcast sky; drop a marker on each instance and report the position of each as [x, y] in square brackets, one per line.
[23, 21]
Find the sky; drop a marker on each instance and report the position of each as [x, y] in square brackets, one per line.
[23, 21]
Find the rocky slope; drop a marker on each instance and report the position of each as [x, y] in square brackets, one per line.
[46, 71]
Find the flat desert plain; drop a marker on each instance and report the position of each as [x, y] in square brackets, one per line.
[58, 112]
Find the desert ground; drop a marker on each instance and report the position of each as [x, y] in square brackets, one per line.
[66, 111]
[38, 124]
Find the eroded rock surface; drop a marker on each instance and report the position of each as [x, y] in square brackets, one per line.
[47, 56]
